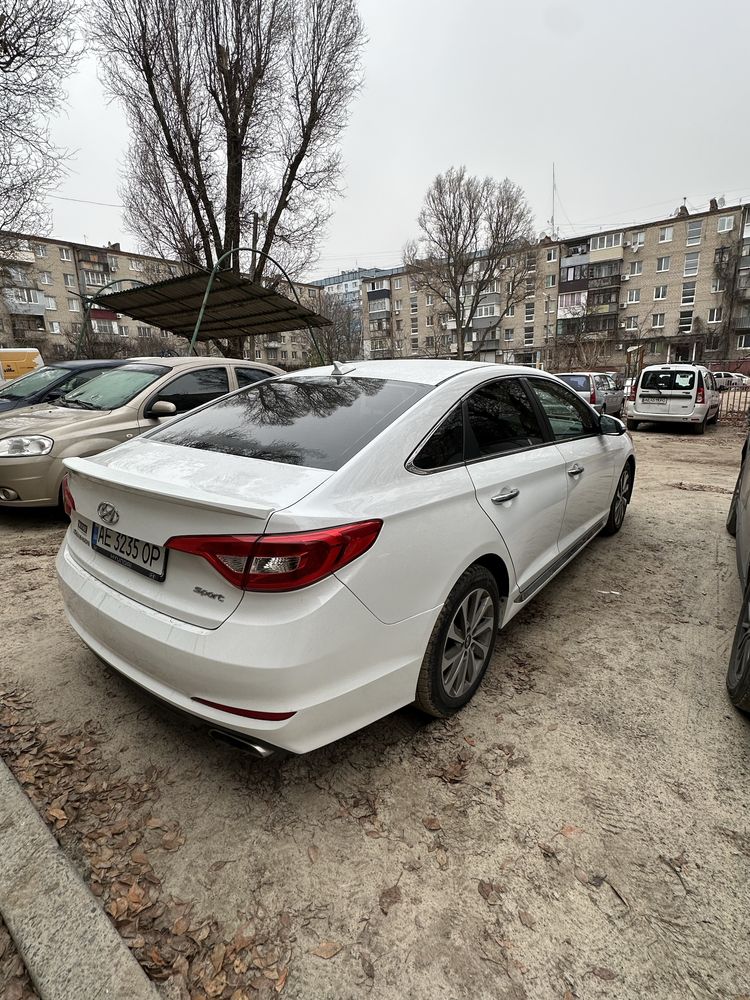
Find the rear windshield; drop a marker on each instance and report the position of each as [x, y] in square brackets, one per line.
[31, 383]
[315, 422]
[578, 382]
[113, 388]
[664, 381]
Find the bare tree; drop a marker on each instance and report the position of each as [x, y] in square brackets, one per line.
[342, 341]
[236, 108]
[475, 240]
[37, 52]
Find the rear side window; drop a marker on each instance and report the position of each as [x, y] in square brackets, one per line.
[665, 381]
[500, 418]
[247, 376]
[581, 383]
[195, 388]
[445, 446]
[316, 422]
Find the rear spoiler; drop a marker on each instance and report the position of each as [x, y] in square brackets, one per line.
[138, 484]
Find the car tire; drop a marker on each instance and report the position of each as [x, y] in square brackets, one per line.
[701, 427]
[452, 670]
[715, 418]
[732, 512]
[632, 424]
[620, 501]
[738, 671]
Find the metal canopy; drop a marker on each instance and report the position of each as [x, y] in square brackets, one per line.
[235, 306]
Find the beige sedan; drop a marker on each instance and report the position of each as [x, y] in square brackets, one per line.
[115, 406]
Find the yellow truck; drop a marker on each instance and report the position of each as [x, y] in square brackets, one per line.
[17, 361]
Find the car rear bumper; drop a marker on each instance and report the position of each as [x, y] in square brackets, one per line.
[321, 655]
[696, 416]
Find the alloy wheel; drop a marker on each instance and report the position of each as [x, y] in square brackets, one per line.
[739, 662]
[621, 496]
[468, 642]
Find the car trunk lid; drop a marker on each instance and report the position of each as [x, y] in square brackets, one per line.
[161, 491]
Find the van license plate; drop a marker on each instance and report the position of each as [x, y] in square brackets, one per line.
[143, 557]
[659, 400]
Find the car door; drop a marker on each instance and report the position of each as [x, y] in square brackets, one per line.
[603, 393]
[588, 456]
[188, 390]
[518, 475]
[615, 396]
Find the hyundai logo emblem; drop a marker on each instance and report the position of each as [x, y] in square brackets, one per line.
[108, 513]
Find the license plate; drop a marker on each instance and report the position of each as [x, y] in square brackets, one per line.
[659, 400]
[143, 557]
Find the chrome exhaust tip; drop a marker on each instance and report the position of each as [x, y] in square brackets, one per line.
[250, 745]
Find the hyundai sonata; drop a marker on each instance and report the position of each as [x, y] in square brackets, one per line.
[306, 555]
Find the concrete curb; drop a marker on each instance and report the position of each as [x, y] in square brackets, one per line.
[67, 942]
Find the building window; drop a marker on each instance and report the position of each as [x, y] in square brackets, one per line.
[414, 324]
[694, 232]
[45, 277]
[637, 239]
[257, 354]
[530, 286]
[397, 305]
[529, 312]
[414, 344]
[717, 285]
[528, 336]
[430, 319]
[568, 300]
[65, 253]
[631, 323]
[721, 256]
[510, 311]
[50, 302]
[550, 281]
[70, 281]
[666, 234]
[40, 250]
[428, 300]
[691, 264]
[743, 342]
[726, 224]
[508, 333]
[94, 278]
[413, 305]
[74, 305]
[136, 265]
[55, 327]
[606, 241]
[284, 355]
[714, 314]
[104, 326]
[634, 295]
[657, 321]
[294, 355]
[551, 254]
[662, 263]
[660, 292]
[686, 321]
[688, 293]
[397, 282]
[399, 325]
[636, 267]
[123, 330]
[113, 262]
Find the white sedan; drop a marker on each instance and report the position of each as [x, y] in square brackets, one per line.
[306, 555]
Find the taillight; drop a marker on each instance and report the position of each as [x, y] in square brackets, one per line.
[68, 502]
[700, 395]
[281, 562]
[592, 397]
[631, 394]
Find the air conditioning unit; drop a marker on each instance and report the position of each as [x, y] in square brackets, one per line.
[626, 277]
[626, 243]
[622, 325]
[623, 305]
[619, 347]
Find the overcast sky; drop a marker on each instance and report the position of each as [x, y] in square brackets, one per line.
[638, 103]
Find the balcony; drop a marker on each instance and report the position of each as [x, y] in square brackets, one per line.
[607, 281]
[603, 309]
[21, 307]
[272, 345]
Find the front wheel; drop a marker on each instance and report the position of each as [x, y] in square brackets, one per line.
[620, 502]
[732, 512]
[461, 644]
[738, 672]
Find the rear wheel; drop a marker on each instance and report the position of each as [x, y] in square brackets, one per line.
[715, 418]
[701, 427]
[738, 672]
[461, 644]
[619, 502]
[732, 512]
[633, 424]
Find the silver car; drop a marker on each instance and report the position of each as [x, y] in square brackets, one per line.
[598, 389]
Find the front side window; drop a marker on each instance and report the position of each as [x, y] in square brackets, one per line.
[316, 422]
[568, 415]
[195, 388]
[445, 446]
[501, 418]
[113, 388]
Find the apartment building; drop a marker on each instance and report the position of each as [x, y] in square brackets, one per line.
[44, 286]
[676, 289]
[293, 349]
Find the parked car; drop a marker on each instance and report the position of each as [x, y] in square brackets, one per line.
[117, 405]
[596, 388]
[675, 394]
[302, 557]
[16, 362]
[51, 382]
[738, 524]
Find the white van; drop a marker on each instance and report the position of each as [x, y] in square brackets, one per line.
[18, 361]
[673, 394]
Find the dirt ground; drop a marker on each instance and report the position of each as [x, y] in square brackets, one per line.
[580, 830]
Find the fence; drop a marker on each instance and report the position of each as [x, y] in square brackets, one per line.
[734, 403]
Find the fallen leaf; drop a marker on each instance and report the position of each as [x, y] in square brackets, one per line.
[281, 981]
[389, 897]
[431, 823]
[139, 858]
[581, 875]
[569, 830]
[526, 919]
[367, 967]
[313, 853]
[154, 824]
[240, 995]
[180, 926]
[569, 996]
[216, 987]
[217, 957]
[471, 741]
[607, 974]
[327, 949]
[171, 841]
[441, 857]
[57, 814]
[485, 888]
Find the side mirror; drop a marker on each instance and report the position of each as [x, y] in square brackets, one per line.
[161, 408]
[611, 425]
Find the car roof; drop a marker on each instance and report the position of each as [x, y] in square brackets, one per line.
[422, 370]
[89, 363]
[183, 359]
[681, 365]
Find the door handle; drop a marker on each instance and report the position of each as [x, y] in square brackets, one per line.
[505, 496]
[575, 470]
